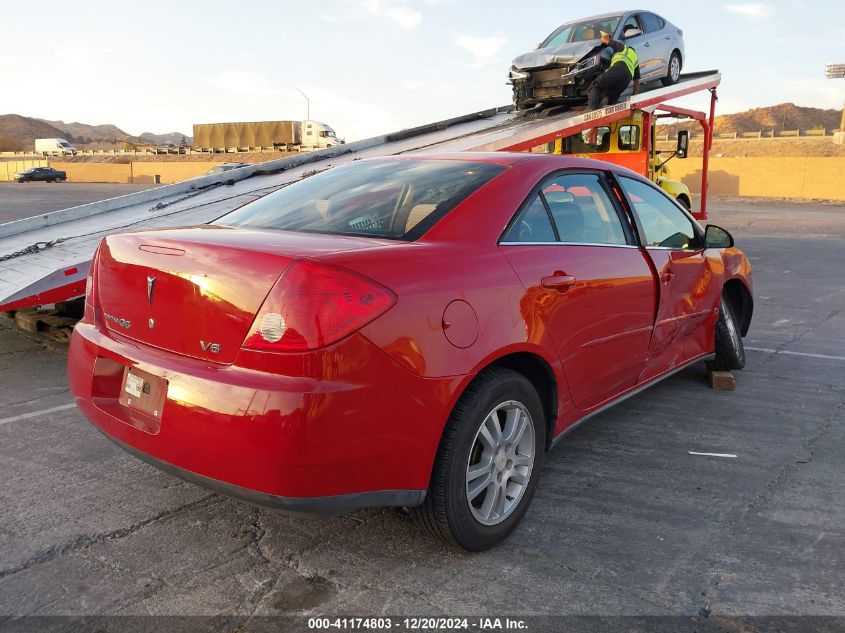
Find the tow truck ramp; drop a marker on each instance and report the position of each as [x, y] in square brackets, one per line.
[45, 259]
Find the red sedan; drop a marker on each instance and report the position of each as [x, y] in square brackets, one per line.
[405, 331]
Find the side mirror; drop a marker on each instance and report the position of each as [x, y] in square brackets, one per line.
[683, 144]
[631, 32]
[717, 237]
[537, 45]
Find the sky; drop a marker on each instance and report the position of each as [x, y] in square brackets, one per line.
[368, 66]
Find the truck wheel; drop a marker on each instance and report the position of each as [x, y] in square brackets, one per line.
[674, 71]
[488, 462]
[684, 202]
[730, 351]
[58, 179]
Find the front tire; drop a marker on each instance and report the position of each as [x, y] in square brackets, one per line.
[730, 351]
[673, 73]
[488, 462]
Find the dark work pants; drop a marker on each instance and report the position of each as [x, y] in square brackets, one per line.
[611, 83]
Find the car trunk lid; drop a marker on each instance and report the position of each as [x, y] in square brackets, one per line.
[195, 291]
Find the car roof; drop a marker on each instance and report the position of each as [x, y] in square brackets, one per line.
[609, 14]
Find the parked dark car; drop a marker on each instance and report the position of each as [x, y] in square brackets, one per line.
[44, 174]
[562, 67]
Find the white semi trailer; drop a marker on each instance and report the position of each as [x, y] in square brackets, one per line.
[284, 135]
[54, 147]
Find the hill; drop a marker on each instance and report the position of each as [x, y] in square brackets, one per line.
[18, 133]
[84, 133]
[784, 116]
[163, 139]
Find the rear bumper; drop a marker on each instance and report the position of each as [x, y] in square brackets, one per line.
[332, 505]
[363, 432]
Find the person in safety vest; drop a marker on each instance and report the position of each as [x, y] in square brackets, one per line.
[624, 66]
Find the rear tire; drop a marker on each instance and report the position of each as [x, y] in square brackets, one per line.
[488, 462]
[684, 202]
[730, 351]
[58, 179]
[673, 73]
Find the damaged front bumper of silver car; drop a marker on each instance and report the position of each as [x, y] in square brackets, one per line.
[554, 84]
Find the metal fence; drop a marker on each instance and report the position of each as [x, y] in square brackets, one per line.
[163, 151]
[755, 135]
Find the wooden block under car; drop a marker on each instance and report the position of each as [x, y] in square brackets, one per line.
[722, 380]
[28, 320]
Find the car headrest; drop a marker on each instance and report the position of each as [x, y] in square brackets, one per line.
[569, 219]
[558, 196]
[417, 214]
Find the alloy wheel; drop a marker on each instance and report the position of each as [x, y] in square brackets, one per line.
[675, 68]
[500, 463]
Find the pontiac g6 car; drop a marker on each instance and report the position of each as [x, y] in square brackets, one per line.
[404, 331]
[564, 65]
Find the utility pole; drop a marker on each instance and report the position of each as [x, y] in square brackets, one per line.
[837, 71]
[308, 104]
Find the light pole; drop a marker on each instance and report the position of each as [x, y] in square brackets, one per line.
[308, 104]
[837, 71]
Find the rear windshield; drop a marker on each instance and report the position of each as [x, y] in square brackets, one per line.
[396, 199]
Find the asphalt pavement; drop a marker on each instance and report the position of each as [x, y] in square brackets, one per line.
[625, 522]
[28, 199]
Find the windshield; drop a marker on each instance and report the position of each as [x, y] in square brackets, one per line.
[397, 199]
[583, 31]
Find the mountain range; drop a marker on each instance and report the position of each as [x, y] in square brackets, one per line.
[784, 116]
[18, 133]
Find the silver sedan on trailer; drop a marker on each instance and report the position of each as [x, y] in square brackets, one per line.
[561, 68]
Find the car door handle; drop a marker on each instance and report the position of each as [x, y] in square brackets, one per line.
[559, 281]
[667, 276]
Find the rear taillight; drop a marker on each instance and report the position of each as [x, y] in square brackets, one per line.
[313, 305]
[91, 298]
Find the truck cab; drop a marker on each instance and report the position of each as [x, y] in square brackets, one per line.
[318, 135]
[629, 142]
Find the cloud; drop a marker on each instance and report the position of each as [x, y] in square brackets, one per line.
[751, 9]
[483, 49]
[401, 15]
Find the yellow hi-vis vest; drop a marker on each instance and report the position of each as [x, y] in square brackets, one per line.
[628, 56]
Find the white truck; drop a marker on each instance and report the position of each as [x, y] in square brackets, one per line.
[54, 147]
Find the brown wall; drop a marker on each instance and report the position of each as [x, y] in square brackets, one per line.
[821, 178]
[134, 172]
[9, 167]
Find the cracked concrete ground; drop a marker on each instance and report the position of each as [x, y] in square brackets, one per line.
[625, 522]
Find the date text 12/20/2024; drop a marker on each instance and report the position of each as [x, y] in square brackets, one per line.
[418, 624]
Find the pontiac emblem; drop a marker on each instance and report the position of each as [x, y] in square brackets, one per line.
[151, 286]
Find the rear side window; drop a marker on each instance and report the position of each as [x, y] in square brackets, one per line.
[395, 199]
[569, 208]
[651, 22]
[582, 210]
[533, 223]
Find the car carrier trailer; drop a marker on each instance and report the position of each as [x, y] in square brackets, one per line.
[45, 259]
